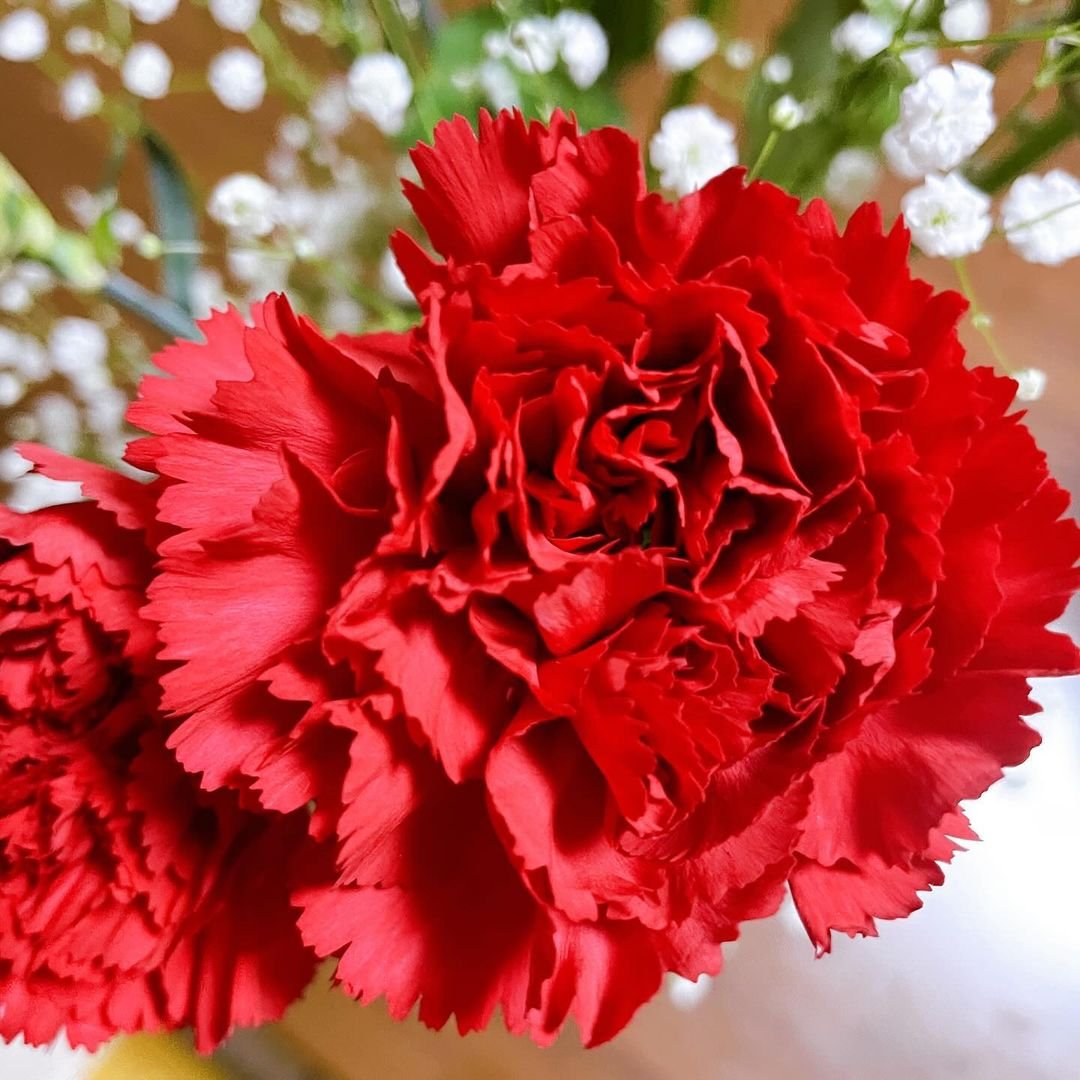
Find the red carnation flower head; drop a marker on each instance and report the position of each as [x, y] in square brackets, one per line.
[676, 558]
[129, 900]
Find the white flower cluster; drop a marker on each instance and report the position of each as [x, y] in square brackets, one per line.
[238, 78]
[236, 15]
[692, 146]
[853, 174]
[948, 216]
[380, 88]
[862, 35]
[77, 352]
[147, 70]
[945, 116]
[965, 20]
[20, 284]
[80, 96]
[24, 36]
[535, 44]
[1041, 217]
[686, 44]
[151, 11]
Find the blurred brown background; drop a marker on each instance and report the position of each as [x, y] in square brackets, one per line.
[984, 982]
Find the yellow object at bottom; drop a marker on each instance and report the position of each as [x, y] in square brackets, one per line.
[154, 1057]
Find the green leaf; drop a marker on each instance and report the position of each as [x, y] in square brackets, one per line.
[174, 219]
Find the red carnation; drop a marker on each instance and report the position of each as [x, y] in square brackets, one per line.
[129, 900]
[675, 557]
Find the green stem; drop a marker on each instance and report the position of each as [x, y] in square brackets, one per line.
[282, 67]
[397, 36]
[396, 33]
[979, 318]
[763, 157]
[1032, 222]
[1006, 37]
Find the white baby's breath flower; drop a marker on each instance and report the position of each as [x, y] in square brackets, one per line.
[236, 15]
[380, 88]
[27, 356]
[948, 216]
[20, 284]
[919, 61]
[1031, 383]
[238, 78]
[786, 113]
[945, 116]
[343, 315]
[498, 84]
[15, 297]
[85, 206]
[965, 20]
[261, 272]
[685, 44]
[692, 146]
[207, 292]
[329, 109]
[583, 46]
[80, 96]
[282, 164]
[1041, 217]
[76, 344]
[393, 280]
[495, 43]
[301, 18]
[294, 132]
[147, 70]
[57, 418]
[82, 41]
[739, 54]
[853, 174]
[777, 69]
[10, 347]
[151, 11]
[532, 45]
[687, 995]
[105, 410]
[11, 389]
[126, 226]
[862, 35]
[24, 36]
[896, 154]
[245, 204]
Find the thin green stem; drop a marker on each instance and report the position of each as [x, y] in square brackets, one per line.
[1041, 218]
[763, 157]
[282, 67]
[397, 36]
[1006, 37]
[979, 318]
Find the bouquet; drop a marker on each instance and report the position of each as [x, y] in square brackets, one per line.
[635, 547]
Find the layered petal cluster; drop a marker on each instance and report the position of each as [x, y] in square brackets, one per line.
[675, 559]
[129, 899]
